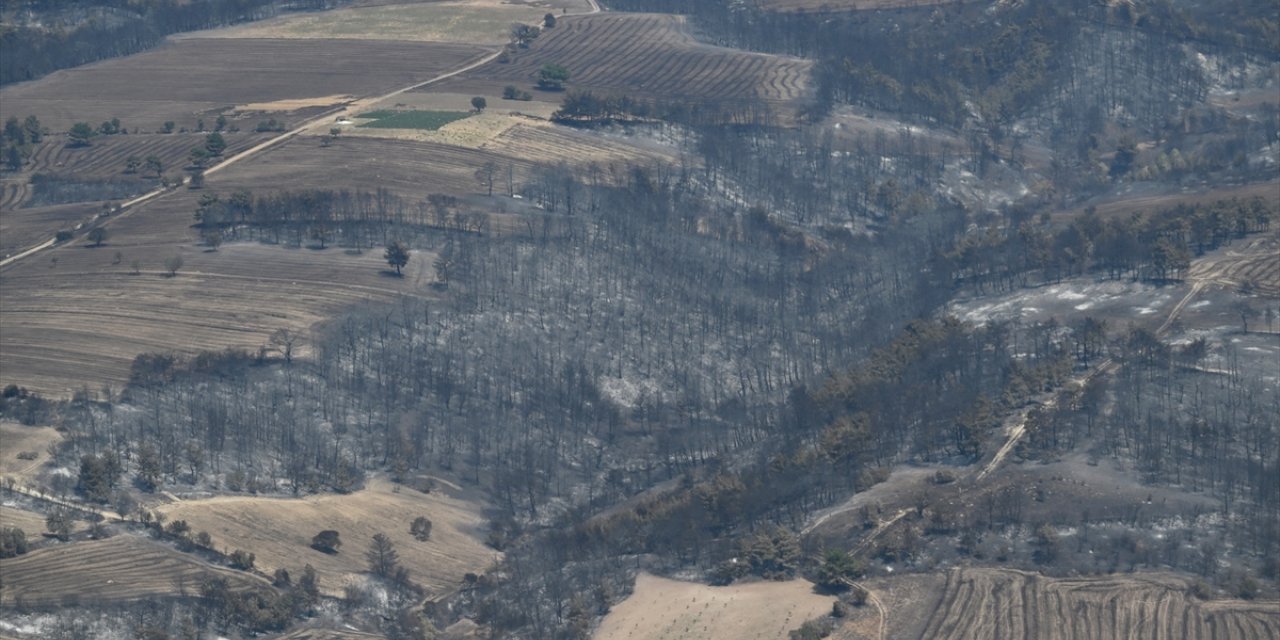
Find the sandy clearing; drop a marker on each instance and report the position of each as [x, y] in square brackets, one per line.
[15, 439]
[294, 104]
[661, 608]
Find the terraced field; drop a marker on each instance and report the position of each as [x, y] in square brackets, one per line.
[108, 154]
[125, 568]
[186, 80]
[998, 603]
[646, 56]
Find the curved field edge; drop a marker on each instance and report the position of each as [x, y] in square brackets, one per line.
[1005, 603]
[125, 568]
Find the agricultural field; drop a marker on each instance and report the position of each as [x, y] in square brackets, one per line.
[198, 78]
[824, 6]
[124, 568]
[1001, 603]
[279, 532]
[82, 320]
[664, 609]
[328, 634]
[23, 225]
[17, 439]
[406, 167]
[644, 56]
[469, 21]
[427, 120]
[30, 522]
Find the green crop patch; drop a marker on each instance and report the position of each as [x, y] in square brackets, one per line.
[429, 120]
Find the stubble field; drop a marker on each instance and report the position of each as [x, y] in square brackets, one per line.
[664, 609]
[194, 78]
[124, 568]
[468, 21]
[279, 532]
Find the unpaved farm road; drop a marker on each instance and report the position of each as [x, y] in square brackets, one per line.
[875, 600]
[1017, 426]
[318, 123]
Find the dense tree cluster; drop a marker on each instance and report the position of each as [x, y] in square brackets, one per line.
[1155, 246]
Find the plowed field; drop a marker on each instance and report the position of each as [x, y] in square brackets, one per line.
[184, 80]
[996, 603]
[120, 569]
[645, 56]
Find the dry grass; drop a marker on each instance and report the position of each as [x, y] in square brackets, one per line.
[279, 531]
[188, 79]
[296, 103]
[662, 609]
[468, 21]
[16, 439]
[1000, 603]
[124, 568]
[30, 522]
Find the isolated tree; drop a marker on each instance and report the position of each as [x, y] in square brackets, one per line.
[382, 556]
[397, 255]
[35, 132]
[242, 560]
[172, 264]
[309, 585]
[421, 528]
[132, 164]
[154, 165]
[284, 342]
[280, 579]
[197, 179]
[326, 541]
[479, 103]
[97, 236]
[220, 123]
[13, 132]
[149, 469]
[215, 144]
[198, 156]
[13, 542]
[168, 126]
[212, 237]
[523, 34]
[80, 134]
[839, 567]
[485, 176]
[551, 77]
[549, 21]
[58, 523]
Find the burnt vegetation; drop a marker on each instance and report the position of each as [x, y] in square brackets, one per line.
[702, 367]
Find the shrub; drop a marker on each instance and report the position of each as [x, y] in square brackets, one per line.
[326, 541]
